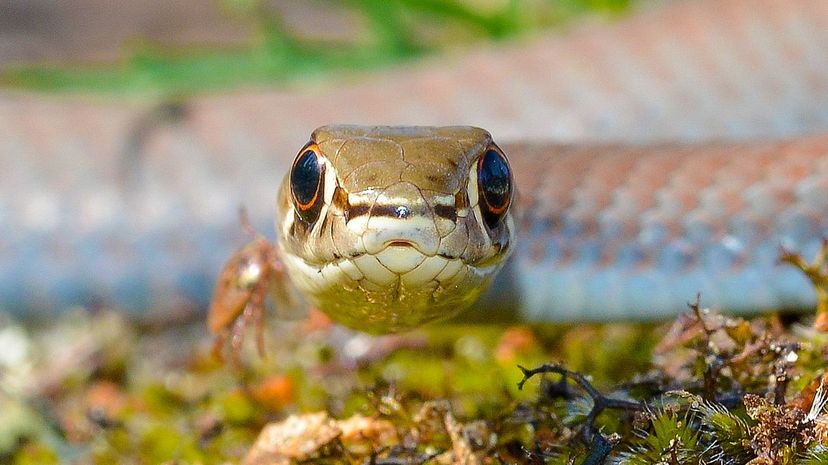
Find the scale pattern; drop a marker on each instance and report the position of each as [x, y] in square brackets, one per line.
[623, 232]
[134, 203]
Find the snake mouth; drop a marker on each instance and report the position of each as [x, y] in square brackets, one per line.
[399, 261]
[357, 255]
[391, 270]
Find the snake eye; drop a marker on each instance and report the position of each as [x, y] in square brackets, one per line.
[306, 183]
[494, 182]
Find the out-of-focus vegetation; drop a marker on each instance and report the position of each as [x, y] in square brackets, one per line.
[101, 389]
[376, 33]
[705, 389]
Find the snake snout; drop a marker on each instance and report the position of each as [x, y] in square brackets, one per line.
[420, 235]
[401, 218]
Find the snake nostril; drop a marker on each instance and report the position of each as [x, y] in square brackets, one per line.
[400, 244]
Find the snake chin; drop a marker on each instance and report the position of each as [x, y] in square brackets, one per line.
[396, 289]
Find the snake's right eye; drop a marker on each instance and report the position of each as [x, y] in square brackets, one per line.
[307, 183]
[494, 180]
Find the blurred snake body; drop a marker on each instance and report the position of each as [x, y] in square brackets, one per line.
[670, 153]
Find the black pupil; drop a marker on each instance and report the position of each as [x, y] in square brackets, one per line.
[494, 180]
[305, 177]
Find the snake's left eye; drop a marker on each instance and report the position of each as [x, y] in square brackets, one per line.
[494, 183]
[306, 183]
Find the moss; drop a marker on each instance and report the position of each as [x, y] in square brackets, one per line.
[704, 389]
[36, 453]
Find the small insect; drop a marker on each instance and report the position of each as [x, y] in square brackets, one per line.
[251, 273]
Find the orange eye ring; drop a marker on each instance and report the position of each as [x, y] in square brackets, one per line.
[307, 183]
[494, 184]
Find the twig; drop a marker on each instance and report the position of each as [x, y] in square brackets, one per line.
[600, 445]
[817, 273]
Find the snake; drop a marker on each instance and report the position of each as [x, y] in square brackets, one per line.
[662, 155]
[388, 228]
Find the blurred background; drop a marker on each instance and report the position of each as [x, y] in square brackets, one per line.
[135, 130]
[131, 132]
[186, 46]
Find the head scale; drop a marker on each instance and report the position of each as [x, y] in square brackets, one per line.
[387, 228]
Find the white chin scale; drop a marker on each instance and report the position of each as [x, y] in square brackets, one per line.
[396, 289]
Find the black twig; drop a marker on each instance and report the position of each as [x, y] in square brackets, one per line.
[600, 445]
[695, 306]
[713, 363]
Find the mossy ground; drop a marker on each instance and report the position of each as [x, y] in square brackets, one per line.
[102, 389]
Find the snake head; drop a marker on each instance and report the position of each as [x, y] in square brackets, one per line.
[387, 228]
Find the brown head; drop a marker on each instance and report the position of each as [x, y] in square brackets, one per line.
[387, 228]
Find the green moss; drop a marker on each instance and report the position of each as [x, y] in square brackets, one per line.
[819, 456]
[197, 411]
[728, 430]
[236, 408]
[35, 453]
[670, 438]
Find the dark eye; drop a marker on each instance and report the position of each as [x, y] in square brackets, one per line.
[306, 183]
[494, 183]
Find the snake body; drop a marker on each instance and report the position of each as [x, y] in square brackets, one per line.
[629, 212]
